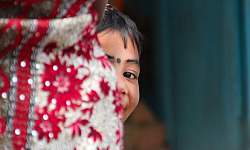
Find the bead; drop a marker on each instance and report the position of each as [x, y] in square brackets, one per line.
[22, 97]
[36, 99]
[47, 83]
[55, 67]
[15, 2]
[4, 95]
[51, 135]
[37, 34]
[68, 70]
[77, 47]
[34, 133]
[38, 66]
[53, 101]
[20, 46]
[45, 117]
[30, 81]
[68, 102]
[17, 132]
[14, 79]
[23, 63]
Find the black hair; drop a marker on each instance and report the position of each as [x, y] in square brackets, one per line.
[118, 21]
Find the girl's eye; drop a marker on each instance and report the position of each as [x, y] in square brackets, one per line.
[129, 75]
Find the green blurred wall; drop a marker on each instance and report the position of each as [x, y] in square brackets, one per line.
[201, 52]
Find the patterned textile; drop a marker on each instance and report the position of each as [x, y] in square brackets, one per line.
[57, 88]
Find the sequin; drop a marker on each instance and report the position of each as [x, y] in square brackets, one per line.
[30, 81]
[14, 79]
[34, 133]
[51, 135]
[38, 66]
[68, 103]
[4, 95]
[68, 70]
[53, 101]
[22, 97]
[17, 132]
[23, 63]
[55, 67]
[47, 83]
[45, 117]
[37, 34]
[36, 99]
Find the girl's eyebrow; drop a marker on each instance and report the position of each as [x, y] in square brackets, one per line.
[110, 57]
[133, 61]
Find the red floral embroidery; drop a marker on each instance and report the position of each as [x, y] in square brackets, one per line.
[93, 96]
[105, 87]
[62, 84]
[50, 47]
[95, 134]
[2, 126]
[105, 62]
[69, 50]
[85, 48]
[103, 148]
[117, 102]
[90, 110]
[76, 127]
[47, 124]
[118, 135]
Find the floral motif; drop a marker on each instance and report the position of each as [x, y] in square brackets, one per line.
[62, 84]
[95, 134]
[118, 134]
[85, 48]
[90, 110]
[105, 62]
[117, 102]
[104, 87]
[50, 47]
[93, 96]
[76, 127]
[47, 124]
[103, 148]
[2, 126]
[68, 50]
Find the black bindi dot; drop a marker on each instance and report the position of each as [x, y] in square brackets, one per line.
[118, 60]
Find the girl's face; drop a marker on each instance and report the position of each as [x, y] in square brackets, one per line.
[126, 64]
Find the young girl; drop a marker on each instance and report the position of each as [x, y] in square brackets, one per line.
[121, 42]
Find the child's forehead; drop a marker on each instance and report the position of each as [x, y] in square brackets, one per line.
[124, 35]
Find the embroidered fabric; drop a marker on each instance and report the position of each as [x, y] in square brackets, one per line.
[57, 88]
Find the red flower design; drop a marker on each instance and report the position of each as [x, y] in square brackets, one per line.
[46, 124]
[90, 110]
[76, 127]
[105, 62]
[117, 102]
[118, 135]
[95, 134]
[68, 50]
[104, 87]
[103, 148]
[49, 47]
[93, 96]
[2, 126]
[62, 84]
[85, 48]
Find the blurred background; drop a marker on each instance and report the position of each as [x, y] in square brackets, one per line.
[195, 69]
